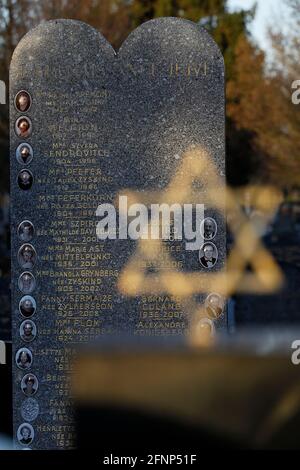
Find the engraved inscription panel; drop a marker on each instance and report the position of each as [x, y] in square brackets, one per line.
[86, 125]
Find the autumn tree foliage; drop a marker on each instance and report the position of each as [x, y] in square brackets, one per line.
[259, 101]
[285, 70]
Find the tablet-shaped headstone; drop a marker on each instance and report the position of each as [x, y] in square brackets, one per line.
[88, 127]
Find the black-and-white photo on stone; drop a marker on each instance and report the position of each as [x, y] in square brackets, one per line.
[214, 305]
[26, 283]
[208, 228]
[25, 179]
[23, 127]
[28, 331]
[30, 409]
[23, 101]
[208, 255]
[25, 434]
[29, 385]
[24, 154]
[26, 231]
[24, 358]
[206, 326]
[27, 306]
[27, 256]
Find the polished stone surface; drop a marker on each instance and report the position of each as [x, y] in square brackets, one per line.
[104, 123]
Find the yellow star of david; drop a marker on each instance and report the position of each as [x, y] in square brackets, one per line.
[197, 181]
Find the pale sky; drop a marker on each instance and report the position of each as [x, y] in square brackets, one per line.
[268, 14]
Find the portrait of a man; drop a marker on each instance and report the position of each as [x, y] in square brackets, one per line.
[25, 180]
[26, 231]
[24, 154]
[23, 101]
[208, 255]
[27, 306]
[29, 385]
[27, 256]
[24, 358]
[28, 331]
[25, 434]
[26, 283]
[214, 305]
[23, 127]
[208, 228]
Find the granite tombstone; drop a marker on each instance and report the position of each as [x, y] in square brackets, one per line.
[90, 129]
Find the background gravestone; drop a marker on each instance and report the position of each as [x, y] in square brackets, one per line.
[101, 122]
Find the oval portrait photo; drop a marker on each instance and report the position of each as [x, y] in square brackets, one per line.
[27, 256]
[28, 331]
[26, 283]
[24, 358]
[27, 306]
[208, 255]
[25, 434]
[214, 305]
[29, 385]
[23, 127]
[26, 231]
[208, 228]
[205, 328]
[24, 154]
[23, 101]
[25, 179]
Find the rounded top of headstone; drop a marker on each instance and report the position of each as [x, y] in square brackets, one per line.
[74, 42]
[52, 36]
[181, 33]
